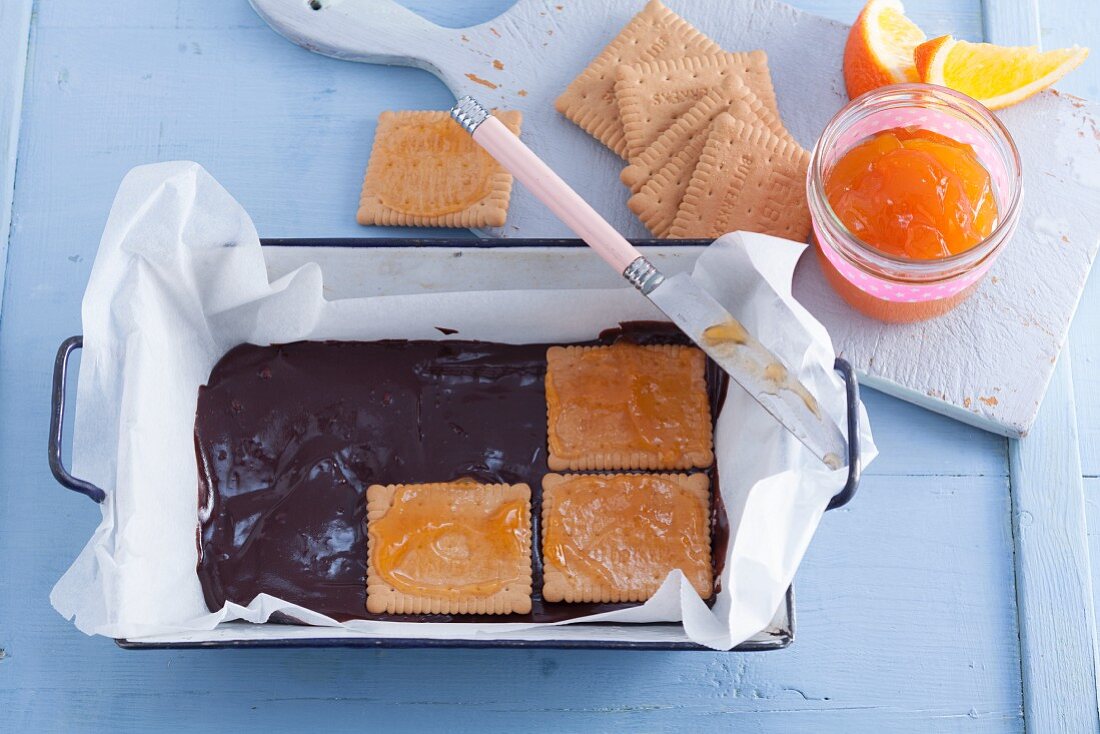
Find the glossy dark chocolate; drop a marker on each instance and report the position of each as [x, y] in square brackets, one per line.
[288, 438]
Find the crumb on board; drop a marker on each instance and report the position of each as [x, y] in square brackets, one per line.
[483, 82]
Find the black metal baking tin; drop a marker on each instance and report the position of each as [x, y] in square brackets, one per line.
[778, 639]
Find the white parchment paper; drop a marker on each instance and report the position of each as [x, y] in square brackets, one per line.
[180, 279]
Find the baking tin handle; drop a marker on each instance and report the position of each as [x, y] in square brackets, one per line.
[855, 460]
[57, 422]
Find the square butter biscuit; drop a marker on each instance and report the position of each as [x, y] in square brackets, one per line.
[732, 97]
[627, 406]
[654, 33]
[449, 548]
[426, 171]
[747, 178]
[652, 95]
[658, 200]
[615, 537]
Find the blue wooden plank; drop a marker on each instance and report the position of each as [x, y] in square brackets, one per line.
[916, 442]
[1011, 22]
[1092, 521]
[1084, 350]
[1066, 24]
[15, 23]
[1053, 573]
[962, 18]
[287, 131]
[1069, 24]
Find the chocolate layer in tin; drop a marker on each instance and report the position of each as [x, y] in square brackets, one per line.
[288, 437]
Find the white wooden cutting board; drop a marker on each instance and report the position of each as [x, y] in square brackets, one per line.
[987, 363]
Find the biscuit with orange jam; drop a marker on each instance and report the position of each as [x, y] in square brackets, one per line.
[627, 406]
[449, 548]
[615, 537]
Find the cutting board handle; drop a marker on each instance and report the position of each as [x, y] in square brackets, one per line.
[372, 31]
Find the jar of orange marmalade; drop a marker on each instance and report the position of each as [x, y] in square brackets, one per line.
[914, 190]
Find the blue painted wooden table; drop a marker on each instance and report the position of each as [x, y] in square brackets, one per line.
[955, 593]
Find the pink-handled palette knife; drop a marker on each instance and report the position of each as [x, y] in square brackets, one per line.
[705, 321]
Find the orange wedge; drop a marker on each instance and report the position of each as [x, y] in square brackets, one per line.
[880, 47]
[996, 76]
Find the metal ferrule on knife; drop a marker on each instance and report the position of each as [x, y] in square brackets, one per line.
[468, 113]
[643, 275]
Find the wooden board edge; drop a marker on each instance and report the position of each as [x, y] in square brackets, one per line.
[944, 408]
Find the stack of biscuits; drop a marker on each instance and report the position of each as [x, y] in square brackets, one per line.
[699, 127]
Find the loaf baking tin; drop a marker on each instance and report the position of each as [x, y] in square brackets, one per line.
[428, 264]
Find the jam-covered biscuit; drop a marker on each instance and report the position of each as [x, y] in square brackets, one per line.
[449, 548]
[615, 537]
[627, 406]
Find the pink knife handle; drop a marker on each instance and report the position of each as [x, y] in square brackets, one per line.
[548, 187]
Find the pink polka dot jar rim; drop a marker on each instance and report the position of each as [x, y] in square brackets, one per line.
[940, 110]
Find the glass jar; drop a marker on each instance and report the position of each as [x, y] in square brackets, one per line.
[895, 288]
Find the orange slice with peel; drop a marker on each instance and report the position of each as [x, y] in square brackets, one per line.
[996, 76]
[880, 47]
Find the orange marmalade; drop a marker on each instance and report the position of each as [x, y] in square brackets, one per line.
[914, 191]
[910, 192]
[446, 540]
